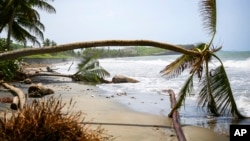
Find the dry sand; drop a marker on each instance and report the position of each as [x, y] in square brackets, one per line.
[123, 123]
[120, 121]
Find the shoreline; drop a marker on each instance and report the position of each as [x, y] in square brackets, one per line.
[121, 121]
[124, 123]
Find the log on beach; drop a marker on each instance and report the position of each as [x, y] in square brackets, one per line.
[19, 100]
[38, 90]
[123, 79]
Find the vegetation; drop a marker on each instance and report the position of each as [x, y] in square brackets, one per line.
[45, 120]
[215, 94]
[21, 19]
[215, 91]
[9, 68]
[123, 52]
[90, 70]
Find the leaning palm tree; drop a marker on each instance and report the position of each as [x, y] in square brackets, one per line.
[215, 92]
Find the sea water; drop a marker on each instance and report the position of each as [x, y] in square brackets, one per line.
[151, 98]
[149, 94]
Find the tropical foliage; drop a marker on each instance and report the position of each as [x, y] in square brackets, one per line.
[8, 69]
[215, 92]
[90, 70]
[22, 20]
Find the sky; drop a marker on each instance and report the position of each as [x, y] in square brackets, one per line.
[170, 21]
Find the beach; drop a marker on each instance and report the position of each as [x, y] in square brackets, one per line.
[123, 123]
[138, 111]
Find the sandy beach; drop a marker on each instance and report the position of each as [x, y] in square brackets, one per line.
[121, 122]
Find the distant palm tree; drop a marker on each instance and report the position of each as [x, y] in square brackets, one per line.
[20, 18]
[215, 91]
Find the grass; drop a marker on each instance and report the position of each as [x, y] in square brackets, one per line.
[47, 55]
[145, 51]
[44, 120]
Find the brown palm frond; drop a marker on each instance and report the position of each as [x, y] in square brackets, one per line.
[208, 12]
[175, 68]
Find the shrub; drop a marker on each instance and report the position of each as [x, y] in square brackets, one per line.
[44, 120]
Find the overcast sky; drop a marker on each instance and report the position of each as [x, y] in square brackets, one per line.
[172, 21]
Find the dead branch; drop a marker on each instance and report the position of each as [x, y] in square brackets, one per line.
[16, 92]
[175, 118]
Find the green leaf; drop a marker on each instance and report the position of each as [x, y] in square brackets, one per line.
[185, 90]
[90, 70]
[175, 68]
[222, 92]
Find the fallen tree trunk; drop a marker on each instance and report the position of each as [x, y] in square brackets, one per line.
[33, 51]
[16, 92]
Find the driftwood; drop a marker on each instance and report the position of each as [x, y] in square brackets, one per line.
[38, 90]
[19, 100]
[175, 117]
[123, 79]
[6, 99]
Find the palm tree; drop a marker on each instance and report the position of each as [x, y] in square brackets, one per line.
[215, 94]
[21, 18]
[90, 70]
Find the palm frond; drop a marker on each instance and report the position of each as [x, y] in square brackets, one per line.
[175, 68]
[88, 62]
[208, 12]
[90, 70]
[43, 5]
[206, 98]
[221, 99]
[187, 89]
[222, 92]
[101, 72]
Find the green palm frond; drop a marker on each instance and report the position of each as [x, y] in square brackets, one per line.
[216, 93]
[175, 68]
[206, 98]
[222, 91]
[208, 12]
[187, 89]
[100, 71]
[22, 35]
[43, 5]
[90, 70]
[88, 62]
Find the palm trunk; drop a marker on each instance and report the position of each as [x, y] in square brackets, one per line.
[10, 30]
[33, 51]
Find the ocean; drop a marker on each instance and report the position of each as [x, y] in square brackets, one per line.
[148, 95]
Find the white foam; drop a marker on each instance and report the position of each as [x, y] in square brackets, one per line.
[243, 104]
[238, 63]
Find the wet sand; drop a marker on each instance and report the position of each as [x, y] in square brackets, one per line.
[120, 121]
